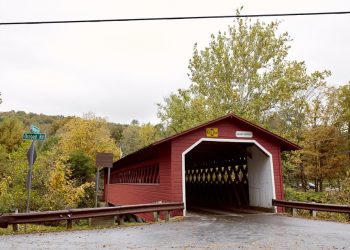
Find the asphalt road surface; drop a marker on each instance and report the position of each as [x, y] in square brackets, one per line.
[224, 231]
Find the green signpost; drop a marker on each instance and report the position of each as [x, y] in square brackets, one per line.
[35, 135]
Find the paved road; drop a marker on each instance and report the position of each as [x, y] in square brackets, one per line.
[250, 231]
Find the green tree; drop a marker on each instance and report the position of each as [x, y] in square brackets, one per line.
[137, 136]
[245, 71]
[52, 185]
[82, 171]
[130, 141]
[148, 134]
[116, 131]
[13, 181]
[3, 158]
[82, 167]
[343, 98]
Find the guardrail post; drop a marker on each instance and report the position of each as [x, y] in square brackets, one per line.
[166, 215]
[313, 213]
[120, 219]
[69, 224]
[15, 226]
[156, 216]
[294, 212]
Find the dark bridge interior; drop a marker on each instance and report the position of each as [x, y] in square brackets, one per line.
[217, 175]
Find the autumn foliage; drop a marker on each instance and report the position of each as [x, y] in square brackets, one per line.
[245, 70]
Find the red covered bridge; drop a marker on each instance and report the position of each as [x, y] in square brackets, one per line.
[228, 162]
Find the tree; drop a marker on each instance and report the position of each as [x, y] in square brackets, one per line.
[52, 184]
[89, 135]
[117, 131]
[343, 98]
[11, 131]
[130, 141]
[148, 134]
[82, 167]
[3, 158]
[62, 193]
[13, 180]
[324, 139]
[137, 136]
[323, 155]
[243, 71]
[64, 169]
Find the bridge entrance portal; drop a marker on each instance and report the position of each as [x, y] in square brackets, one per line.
[228, 175]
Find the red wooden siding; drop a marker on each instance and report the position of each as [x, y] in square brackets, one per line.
[135, 193]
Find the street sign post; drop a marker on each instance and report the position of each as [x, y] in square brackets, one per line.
[35, 135]
[103, 160]
[31, 155]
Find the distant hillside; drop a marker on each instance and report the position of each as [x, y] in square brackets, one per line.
[49, 124]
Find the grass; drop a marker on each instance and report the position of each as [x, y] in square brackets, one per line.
[327, 216]
[61, 226]
[319, 197]
[39, 228]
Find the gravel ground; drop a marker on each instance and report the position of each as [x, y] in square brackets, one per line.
[249, 231]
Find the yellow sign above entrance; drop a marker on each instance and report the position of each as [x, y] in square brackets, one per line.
[212, 132]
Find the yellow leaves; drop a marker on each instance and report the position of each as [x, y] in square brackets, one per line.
[322, 154]
[89, 135]
[11, 131]
[61, 190]
[53, 186]
[4, 185]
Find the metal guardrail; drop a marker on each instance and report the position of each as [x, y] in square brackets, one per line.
[311, 206]
[84, 213]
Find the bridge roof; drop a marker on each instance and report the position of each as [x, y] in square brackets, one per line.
[149, 150]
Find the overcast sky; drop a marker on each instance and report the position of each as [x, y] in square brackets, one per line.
[121, 70]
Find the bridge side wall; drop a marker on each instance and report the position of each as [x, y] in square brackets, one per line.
[133, 193]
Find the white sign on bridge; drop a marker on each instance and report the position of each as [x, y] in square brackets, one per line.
[244, 134]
